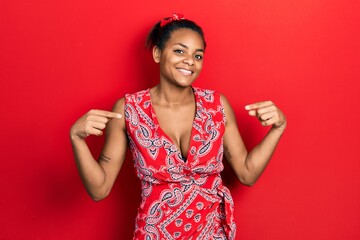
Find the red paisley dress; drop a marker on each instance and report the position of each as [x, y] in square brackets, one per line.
[180, 199]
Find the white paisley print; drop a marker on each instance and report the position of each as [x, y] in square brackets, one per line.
[181, 199]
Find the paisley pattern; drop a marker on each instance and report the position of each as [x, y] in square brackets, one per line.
[180, 199]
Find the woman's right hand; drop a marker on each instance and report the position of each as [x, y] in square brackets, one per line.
[92, 123]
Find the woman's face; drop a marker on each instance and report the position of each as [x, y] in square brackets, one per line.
[181, 60]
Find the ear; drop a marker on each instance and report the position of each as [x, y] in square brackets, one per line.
[156, 54]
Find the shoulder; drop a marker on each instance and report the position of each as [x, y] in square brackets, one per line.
[137, 96]
[208, 95]
[119, 105]
[224, 101]
[228, 110]
[115, 124]
[213, 97]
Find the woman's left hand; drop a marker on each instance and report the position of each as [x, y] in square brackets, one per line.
[268, 114]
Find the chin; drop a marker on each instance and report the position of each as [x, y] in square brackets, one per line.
[185, 83]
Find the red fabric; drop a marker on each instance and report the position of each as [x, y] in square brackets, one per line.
[174, 17]
[180, 199]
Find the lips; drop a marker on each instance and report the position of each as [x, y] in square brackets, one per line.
[184, 71]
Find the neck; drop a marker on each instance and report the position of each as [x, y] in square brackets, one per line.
[172, 95]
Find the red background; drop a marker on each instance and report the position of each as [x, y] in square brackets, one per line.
[58, 59]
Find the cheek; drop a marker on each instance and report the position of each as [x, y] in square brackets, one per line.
[171, 60]
[199, 66]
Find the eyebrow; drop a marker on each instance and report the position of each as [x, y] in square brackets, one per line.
[184, 46]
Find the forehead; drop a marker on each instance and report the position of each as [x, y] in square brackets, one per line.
[186, 36]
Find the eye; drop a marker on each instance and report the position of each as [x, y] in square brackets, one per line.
[198, 57]
[179, 51]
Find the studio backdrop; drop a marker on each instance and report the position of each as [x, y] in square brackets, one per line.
[59, 59]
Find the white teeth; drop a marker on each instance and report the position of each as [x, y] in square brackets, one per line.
[184, 71]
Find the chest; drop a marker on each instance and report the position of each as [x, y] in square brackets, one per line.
[177, 123]
[166, 136]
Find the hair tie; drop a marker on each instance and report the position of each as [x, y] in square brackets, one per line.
[175, 17]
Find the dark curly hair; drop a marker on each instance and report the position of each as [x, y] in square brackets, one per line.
[158, 35]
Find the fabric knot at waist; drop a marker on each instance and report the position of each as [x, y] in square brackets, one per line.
[214, 187]
[195, 188]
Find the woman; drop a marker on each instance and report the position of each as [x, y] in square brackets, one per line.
[177, 134]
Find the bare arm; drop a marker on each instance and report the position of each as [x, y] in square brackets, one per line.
[248, 166]
[99, 176]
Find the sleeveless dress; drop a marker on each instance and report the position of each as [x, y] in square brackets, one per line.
[180, 199]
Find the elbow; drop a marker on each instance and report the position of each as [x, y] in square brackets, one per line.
[98, 196]
[248, 175]
[247, 181]
[249, 184]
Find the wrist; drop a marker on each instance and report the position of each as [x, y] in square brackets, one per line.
[75, 138]
[279, 128]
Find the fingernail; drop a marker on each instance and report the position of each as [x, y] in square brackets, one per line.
[247, 107]
[118, 116]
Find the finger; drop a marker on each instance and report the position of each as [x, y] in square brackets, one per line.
[93, 128]
[266, 116]
[94, 131]
[106, 114]
[258, 105]
[253, 113]
[268, 109]
[261, 111]
[97, 118]
[98, 125]
[269, 122]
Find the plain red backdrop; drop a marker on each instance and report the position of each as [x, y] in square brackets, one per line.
[58, 59]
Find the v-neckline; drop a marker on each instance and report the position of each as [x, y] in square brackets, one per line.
[157, 123]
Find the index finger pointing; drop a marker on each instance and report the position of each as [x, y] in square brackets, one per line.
[107, 114]
[258, 105]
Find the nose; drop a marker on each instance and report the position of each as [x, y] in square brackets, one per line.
[189, 60]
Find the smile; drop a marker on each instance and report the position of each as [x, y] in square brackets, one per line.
[185, 71]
